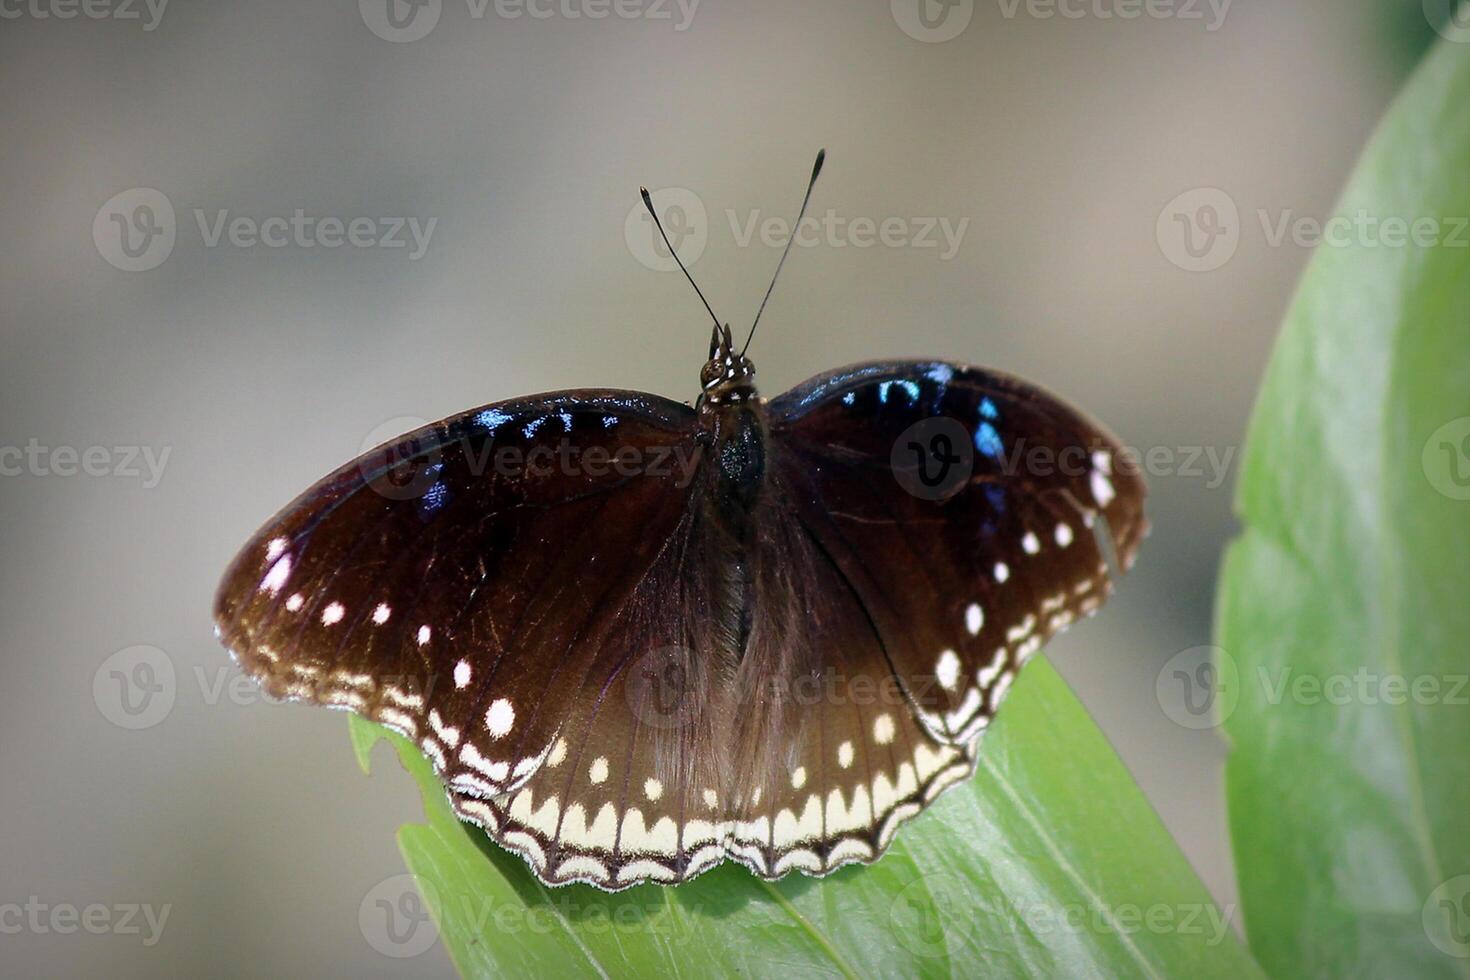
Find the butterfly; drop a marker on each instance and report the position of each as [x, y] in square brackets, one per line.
[636, 638]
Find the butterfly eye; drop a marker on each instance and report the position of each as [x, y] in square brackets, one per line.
[711, 373]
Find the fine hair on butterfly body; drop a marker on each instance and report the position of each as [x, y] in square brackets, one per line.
[763, 631]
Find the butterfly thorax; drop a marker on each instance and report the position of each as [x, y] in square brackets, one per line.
[732, 431]
[732, 428]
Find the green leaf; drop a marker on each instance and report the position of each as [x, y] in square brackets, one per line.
[1049, 862]
[1348, 786]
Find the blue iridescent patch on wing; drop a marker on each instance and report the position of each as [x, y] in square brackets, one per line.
[940, 373]
[909, 388]
[987, 441]
[492, 419]
[850, 398]
[434, 498]
[608, 421]
[995, 496]
[530, 427]
[988, 409]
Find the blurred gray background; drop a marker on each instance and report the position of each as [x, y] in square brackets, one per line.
[1064, 142]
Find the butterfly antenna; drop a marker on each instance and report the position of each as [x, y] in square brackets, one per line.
[816, 169]
[648, 203]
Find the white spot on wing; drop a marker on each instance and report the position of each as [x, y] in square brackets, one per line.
[500, 717]
[798, 778]
[597, 772]
[947, 670]
[1030, 544]
[974, 618]
[276, 577]
[424, 634]
[1064, 535]
[653, 789]
[1002, 571]
[381, 614]
[844, 754]
[558, 753]
[987, 674]
[883, 729]
[295, 602]
[461, 674]
[1102, 489]
[333, 613]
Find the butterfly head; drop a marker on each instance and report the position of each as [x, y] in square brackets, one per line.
[728, 375]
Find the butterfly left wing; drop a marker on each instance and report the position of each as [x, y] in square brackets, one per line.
[460, 583]
[959, 505]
